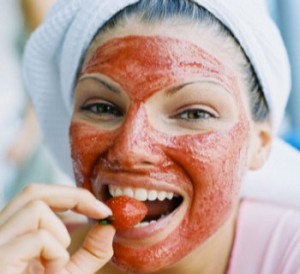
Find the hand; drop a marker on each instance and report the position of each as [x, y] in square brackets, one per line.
[31, 233]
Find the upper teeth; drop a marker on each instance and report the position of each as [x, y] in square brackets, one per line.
[140, 194]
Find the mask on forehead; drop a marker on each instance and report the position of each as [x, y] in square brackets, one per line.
[145, 73]
[204, 169]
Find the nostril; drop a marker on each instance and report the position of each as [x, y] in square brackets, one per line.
[147, 163]
[133, 158]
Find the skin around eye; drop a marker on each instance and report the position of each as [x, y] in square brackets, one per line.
[101, 111]
[196, 119]
[195, 114]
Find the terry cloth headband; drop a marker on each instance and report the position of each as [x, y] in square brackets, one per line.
[55, 50]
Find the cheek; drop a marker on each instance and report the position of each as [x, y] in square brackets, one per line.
[215, 164]
[87, 143]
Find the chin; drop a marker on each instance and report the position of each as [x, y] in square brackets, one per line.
[156, 254]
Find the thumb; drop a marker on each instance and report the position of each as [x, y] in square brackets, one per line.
[95, 252]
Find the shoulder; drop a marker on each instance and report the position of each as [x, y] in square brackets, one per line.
[267, 239]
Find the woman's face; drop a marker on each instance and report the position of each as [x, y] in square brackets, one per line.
[165, 118]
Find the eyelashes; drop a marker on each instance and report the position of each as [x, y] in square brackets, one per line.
[108, 111]
[195, 114]
[102, 110]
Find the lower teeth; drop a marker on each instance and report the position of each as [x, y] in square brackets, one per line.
[146, 223]
[143, 224]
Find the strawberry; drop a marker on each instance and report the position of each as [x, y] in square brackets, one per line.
[127, 212]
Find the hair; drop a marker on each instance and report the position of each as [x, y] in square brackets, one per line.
[154, 11]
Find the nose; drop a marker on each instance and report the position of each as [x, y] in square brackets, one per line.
[134, 147]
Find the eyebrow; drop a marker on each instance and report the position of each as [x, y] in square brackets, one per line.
[109, 86]
[173, 90]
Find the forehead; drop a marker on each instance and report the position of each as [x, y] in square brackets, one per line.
[184, 42]
[206, 37]
[152, 63]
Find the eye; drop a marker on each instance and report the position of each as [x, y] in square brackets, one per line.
[195, 114]
[102, 110]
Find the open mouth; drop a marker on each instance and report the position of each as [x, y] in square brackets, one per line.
[160, 204]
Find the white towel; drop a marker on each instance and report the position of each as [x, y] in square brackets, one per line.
[54, 52]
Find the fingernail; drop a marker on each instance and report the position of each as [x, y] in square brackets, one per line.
[103, 208]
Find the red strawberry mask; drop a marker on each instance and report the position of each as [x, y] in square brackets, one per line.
[203, 167]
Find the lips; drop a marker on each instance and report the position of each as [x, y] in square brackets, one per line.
[166, 200]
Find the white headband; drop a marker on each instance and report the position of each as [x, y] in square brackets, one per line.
[55, 50]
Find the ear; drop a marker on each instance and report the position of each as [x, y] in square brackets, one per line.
[261, 145]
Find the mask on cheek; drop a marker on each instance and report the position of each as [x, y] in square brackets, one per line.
[207, 167]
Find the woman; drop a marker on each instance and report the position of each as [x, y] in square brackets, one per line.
[165, 104]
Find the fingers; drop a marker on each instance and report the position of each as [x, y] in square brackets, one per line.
[95, 252]
[37, 244]
[30, 229]
[59, 198]
[36, 215]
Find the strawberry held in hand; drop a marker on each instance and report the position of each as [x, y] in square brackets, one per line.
[127, 212]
